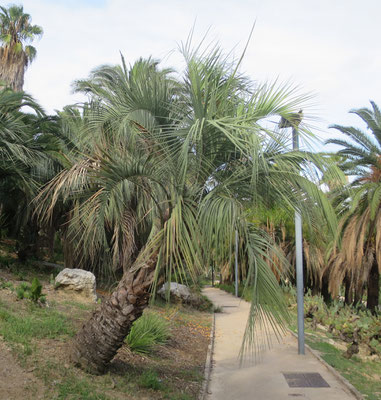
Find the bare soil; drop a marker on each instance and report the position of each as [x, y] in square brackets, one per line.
[16, 382]
[47, 372]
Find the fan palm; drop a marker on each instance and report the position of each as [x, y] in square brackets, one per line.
[16, 31]
[359, 256]
[20, 154]
[166, 183]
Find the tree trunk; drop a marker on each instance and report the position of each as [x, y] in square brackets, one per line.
[359, 291]
[325, 291]
[12, 68]
[348, 291]
[373, 287]
[100, 338]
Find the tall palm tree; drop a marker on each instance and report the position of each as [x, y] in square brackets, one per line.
[359, 256]
[16, 31]
[166, 183]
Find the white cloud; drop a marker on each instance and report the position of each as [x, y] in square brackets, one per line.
[327, 47]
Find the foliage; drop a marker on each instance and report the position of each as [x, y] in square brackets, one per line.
[172, 165]
[230, 288]
[6, 285]
[20, 292]
[345, 323]
[35, 290]
[146, 332]
[356, 254]
[16, 31]
[32, 292]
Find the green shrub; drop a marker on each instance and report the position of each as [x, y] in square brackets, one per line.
[7, 285]
[150, 329]
[245, 293]
[20, 293]
[35, 290]
[24, 286]
[346, 323]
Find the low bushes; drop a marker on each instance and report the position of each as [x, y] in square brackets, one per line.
[32, 292]
[230, 288]
[346, 323]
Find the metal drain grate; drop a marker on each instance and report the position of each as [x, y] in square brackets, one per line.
[309, 379]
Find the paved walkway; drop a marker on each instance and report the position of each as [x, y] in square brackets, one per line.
[264, 380]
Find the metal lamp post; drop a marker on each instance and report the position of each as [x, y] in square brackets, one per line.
[293, 122]
[236, 263]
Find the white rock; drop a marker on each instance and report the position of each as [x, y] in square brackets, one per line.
[78, 280]
[176, 290]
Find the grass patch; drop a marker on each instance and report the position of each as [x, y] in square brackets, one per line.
[68, 383]
[79, 306]
[150, 380]
[73, 388]
[340, 323]
[364, 375]
[39, 323]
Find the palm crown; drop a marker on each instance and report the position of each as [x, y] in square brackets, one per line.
[16, 32]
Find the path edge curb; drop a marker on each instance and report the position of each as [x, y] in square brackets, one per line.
[337, 375]
[208, 362]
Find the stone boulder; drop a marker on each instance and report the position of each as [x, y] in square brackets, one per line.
[78, 281]
[177, 292]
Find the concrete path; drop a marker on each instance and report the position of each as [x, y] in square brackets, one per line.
[263, 380]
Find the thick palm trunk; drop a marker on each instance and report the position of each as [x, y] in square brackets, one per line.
[373, 287]
[12, 68]
[359, 291]
[325, 290]
[101, 337]
[348, 291]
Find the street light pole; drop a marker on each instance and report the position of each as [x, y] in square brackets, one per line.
[293, 122]
[299, 261]
[236, 263]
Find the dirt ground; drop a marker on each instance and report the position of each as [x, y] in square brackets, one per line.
[44, 374]
[15, 382]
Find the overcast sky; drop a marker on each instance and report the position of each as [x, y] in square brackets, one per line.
[329, 47]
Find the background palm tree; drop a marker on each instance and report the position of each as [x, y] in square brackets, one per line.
[16, 31]
[23, 154]
[358, 257]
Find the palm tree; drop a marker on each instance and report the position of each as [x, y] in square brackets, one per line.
[21, 153]
[16, 31]
[359, 255]
[166, 182]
